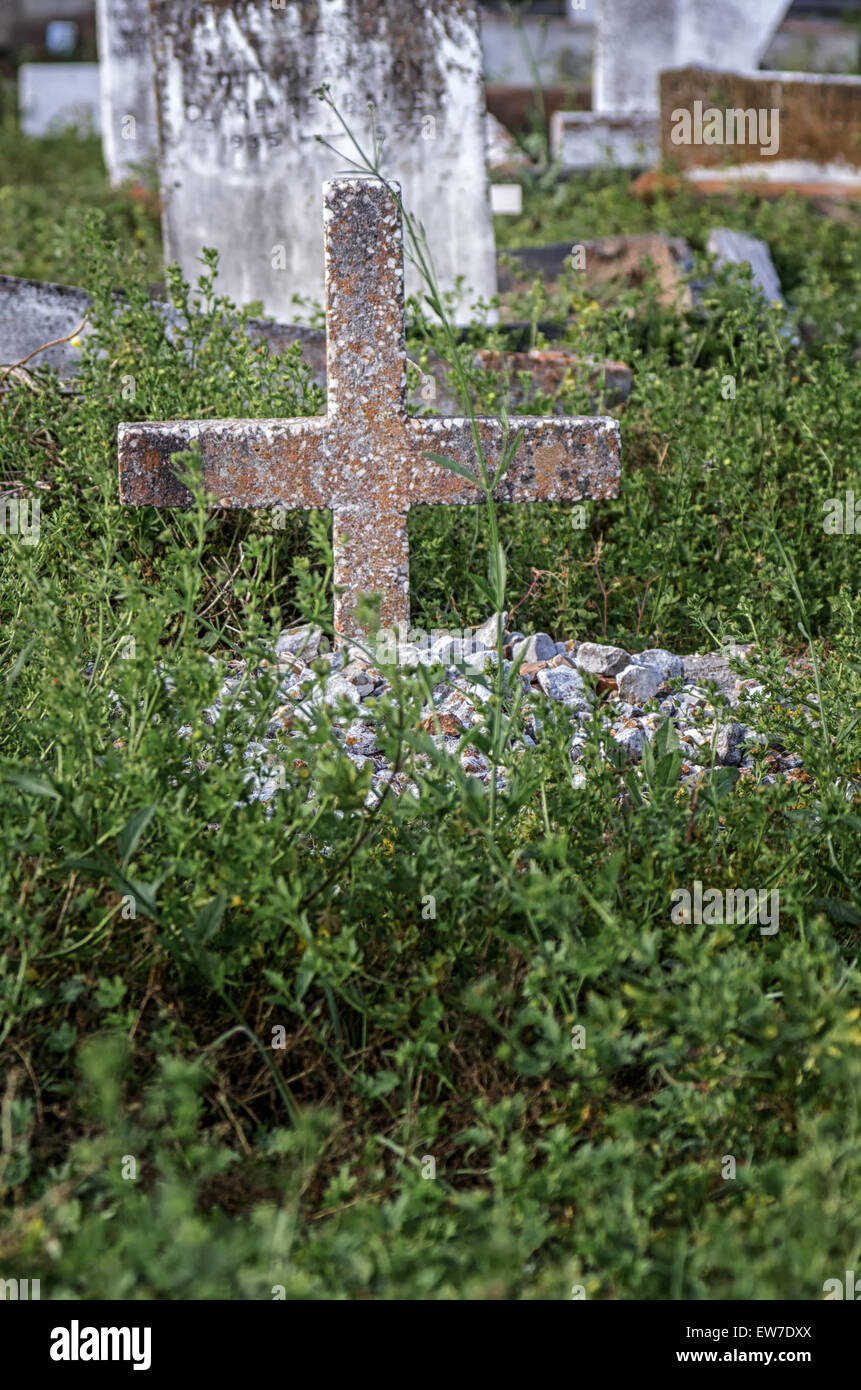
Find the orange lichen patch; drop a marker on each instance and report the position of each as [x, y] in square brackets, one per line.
[366, 458]
[547, 460]
[797, 774]
[443, 723]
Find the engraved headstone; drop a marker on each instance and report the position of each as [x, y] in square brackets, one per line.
[129, 136]
[240, 163]
[367, 458]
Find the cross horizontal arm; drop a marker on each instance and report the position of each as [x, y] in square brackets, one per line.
[246, 463]
[557, 460]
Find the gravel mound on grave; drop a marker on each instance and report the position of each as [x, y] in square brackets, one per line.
[632, 693]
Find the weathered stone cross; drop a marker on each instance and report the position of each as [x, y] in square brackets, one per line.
[365, 457]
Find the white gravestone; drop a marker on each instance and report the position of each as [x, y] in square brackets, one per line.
[52, 96]
[636, 40]
[241, 168]
[127, 96]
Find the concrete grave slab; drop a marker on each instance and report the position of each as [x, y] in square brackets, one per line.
[545, 371]
[34, 313]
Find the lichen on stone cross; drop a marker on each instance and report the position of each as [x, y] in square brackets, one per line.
[366, 457]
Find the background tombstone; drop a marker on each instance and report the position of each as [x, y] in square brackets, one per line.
[732, 248]
[811, 123]
[126, 76]
[54, 95]
[531, 43]
[241, 169]
[635, 40]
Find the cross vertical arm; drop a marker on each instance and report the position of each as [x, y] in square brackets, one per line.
[366, 364]
[370, 556]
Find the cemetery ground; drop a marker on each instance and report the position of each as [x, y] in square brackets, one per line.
[453, 1046]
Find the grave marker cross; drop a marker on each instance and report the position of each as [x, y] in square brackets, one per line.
[365, 457]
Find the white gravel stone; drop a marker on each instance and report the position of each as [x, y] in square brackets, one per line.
[462, 708]
[601, 661]
[474, 763]
[564, 684]
[704, 735]
[361, 737]
[335, 689]
[296, 683]
[638, 684]
[485, 636]
[408, 654]
[659, 659]
[752, 736]
[304, 639]
[697, 738]
[538, 647]
[630, 738]
[364, 677]
[480, 693]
